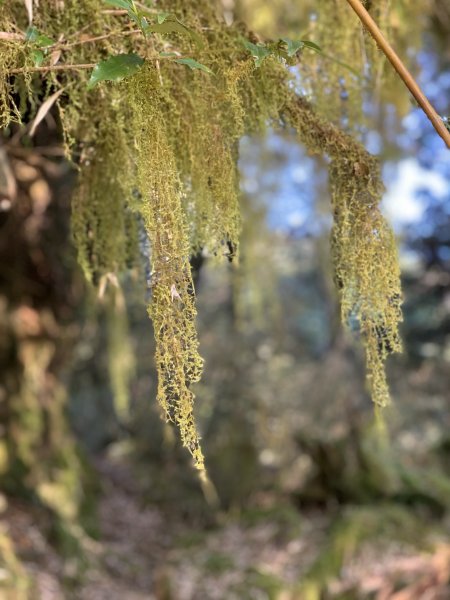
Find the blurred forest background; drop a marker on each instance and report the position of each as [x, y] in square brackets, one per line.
[313, 497]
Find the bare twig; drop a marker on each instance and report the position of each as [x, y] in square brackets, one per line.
[402, 71]
[12, 37]
[158, 68]
[51, 68]
[112, 11]
[98, 38]
[43, 111]
[71, 67]
[76, 34]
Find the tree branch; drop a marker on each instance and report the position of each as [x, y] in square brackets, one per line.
[402, 71]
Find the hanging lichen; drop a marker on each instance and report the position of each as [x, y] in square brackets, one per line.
[172, 307]
[350, 73]
[164, 144]
[363, 247]
[102, 221]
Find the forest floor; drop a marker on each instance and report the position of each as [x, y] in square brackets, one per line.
[144, 553]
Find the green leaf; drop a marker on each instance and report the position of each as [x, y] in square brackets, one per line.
[293, 46]
[43, 41]
[170, 26]
[161, 17]
[258, 51]
[134, 17]
[193, 64]
[123, 4]
[173, 25]
[31, 34]
[115, 68]
[38, 57]
[312, 45]
[168, 54]
[316, 48]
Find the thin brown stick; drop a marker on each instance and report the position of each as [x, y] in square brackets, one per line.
[12, 37]
[51, 68]
[70, 67]
[63, 45]
[98, 38]
[76, 34]
[402, 71]
[112, 11]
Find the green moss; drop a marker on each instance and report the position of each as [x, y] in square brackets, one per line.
[100, 206]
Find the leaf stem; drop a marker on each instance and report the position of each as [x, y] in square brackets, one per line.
[401, 70]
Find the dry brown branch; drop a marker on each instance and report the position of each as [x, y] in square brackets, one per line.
[402, 71]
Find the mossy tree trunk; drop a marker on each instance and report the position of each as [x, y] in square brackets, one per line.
[37, 454]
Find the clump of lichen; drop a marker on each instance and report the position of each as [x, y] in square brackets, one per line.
[363, 247]
[172, 307]
[164, 144]
[102, 220]
[366, 265]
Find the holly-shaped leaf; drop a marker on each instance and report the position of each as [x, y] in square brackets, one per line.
[259, 52]
[163, 16]
[115, 68]
[193, 64]
[312, 45]
[292, 46]
[39, 45]
[43, 41]
[38, 57]
[171, 24]
[31, 34]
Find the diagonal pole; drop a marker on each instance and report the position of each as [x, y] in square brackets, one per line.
[402, 71]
